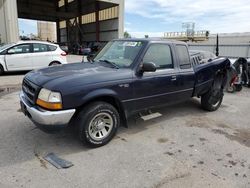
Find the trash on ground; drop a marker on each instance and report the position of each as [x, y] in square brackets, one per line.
[57, 162]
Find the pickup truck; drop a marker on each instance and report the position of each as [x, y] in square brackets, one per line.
[126, 77]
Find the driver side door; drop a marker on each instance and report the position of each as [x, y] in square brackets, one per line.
[19, 58]
[157, 88]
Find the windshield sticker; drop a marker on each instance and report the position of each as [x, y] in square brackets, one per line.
[132, 44]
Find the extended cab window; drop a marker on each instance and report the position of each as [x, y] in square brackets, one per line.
[40, 48]
[160, 55]
[183, 55]
[20, 49]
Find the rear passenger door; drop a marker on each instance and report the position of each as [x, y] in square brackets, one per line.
[186, 75]
[41, 56]
[160, 87]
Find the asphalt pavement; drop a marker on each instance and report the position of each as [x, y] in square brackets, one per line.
[185, 147]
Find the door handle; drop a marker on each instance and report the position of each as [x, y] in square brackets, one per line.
[173, 78]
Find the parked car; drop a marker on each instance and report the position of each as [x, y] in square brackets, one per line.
[91, 49]
[29, 55]
[64, 47]
[127, 76]
[76, 49]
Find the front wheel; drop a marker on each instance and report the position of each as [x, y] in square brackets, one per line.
[98, 123]
[1, 70]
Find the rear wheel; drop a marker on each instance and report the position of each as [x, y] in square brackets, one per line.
[54, 63]
[212, 100]
[98, 123]
[209, 103]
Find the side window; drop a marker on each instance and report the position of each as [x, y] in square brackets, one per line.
[161, 55]
[51, 48]
[40, 48]
[183, 55]
[20, 49]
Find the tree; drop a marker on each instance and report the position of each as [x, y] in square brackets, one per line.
[127, 35]
[146, 36]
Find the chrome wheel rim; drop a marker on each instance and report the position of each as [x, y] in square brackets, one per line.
[100, 126]
[216, 104]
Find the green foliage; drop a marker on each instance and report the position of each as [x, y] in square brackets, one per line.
[127, 35]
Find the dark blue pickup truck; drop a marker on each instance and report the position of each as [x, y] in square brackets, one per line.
[126, 77]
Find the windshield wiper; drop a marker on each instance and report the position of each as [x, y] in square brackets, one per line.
[109, 62]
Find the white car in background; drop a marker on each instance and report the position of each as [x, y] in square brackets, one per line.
[29, 55]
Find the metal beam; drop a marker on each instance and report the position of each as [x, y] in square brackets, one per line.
[97, 7]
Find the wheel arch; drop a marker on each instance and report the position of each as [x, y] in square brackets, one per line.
[108, 97]
[55, 61]
[2, 67]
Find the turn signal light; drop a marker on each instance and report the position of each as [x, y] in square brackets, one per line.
[49, 105]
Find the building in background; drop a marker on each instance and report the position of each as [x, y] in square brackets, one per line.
[232, 45]
[8, 22]
[46, 31]
[77, 21]
[229, 38]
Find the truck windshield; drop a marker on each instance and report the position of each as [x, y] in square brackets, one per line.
[120, 53]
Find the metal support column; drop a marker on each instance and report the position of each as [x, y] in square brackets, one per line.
[97, 8]
[80, 20]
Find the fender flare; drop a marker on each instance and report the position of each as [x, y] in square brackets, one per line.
[106, 93]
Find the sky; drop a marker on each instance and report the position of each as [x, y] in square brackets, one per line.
[154, 17]
[27, 26]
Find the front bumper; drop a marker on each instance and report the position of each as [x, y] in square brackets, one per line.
[44, 118]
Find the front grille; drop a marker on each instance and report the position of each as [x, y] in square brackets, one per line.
[30, 90]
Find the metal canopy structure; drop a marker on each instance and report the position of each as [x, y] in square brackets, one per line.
[92, 20]
[45, 10]
[49, 10]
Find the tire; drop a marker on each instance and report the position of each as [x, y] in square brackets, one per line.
[93, 114]
[212, 100]
[206, 103]
[1, 70]
[54, 63]
[238, 87]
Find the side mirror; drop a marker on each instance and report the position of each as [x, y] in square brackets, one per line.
[148, 67]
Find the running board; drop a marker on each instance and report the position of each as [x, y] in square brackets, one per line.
[151, 116]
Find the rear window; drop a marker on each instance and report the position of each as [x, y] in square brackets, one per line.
[40, 48]
[183, 55]
[52, 47]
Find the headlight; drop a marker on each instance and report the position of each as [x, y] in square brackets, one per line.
[49, 100]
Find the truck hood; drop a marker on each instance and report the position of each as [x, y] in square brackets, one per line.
[76, 74]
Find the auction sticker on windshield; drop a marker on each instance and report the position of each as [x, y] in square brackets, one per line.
[132, 44]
